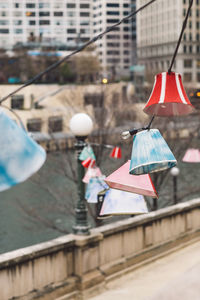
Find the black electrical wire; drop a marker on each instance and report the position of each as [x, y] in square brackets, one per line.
[181, 35]
[94, 39]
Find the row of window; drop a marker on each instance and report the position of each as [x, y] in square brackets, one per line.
[45, 14]
[190, 37]
[56, 22]
[55, 124]
[191, 49]
[44, 5]
[43, 22]
[188, 63]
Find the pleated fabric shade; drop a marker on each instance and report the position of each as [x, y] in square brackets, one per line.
[95, 186]
[87, 152]
[20, 155]
[122, 180]
[119, 203]
[150, 153]
[168, 97]
[192, 156]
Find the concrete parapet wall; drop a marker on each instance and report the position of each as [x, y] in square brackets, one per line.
[75, 267]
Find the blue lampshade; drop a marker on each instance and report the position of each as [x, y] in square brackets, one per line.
[20, 155]
[150, 153]
[95, 186]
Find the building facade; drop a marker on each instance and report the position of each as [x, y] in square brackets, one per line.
[158, 30]
[71, 22]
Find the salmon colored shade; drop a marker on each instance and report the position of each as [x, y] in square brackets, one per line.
[192, 156]
[90, 173]
[138, 184]
[89, 162]
[168, 97]
[116, 152]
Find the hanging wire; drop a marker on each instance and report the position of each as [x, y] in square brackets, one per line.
[181, 35]
[91, 41]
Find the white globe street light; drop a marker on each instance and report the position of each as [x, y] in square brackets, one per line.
[175, 172]
[81, 126]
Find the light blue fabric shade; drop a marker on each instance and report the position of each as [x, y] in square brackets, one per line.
[95, 186]
[20, 155]
[87, 152]
[150, 153]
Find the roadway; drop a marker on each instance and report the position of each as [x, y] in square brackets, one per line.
[175, 276]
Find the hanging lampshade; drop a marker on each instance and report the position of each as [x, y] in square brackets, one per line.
[100, 199]
[119, 202]
[89, 162]
[168, 97]
[20, 155]
[192, 156]
[94, 187]
[122, 180]
[150, 153]
[116, 152]
[87, 152]
[91, 172]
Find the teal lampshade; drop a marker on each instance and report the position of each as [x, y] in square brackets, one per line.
[150, 153]
[87, 152]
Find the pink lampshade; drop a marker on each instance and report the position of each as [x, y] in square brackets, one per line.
[91, 172]
[138, 184]
[192, 156]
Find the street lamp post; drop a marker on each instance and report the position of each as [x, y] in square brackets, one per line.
[81, 126]
[175, 172]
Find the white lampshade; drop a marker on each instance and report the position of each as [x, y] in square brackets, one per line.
[81, 124]
[174, 171]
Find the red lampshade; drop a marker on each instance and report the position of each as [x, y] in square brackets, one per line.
[89, 162]
[116, 152]
[192, 156]
[168, 97]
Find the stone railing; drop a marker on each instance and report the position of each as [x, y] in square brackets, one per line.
[75, 267]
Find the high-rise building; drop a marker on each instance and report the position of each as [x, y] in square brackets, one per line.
[158, 29]
[71, 22]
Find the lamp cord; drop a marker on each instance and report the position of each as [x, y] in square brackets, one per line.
[181, 35]
[91, 41]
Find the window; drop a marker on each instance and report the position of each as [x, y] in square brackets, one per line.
[112, 4]
[4, 5]
[84, 22]
[84, 5]
[187, 77]
[71, 30]
[113, 52]
[31, 22]
[16, 5]
[71, 5]
[126, 61]
[71, 13]
[34, 125]
[113, 45]
[44, 13]
[198, 76]
[44, 5]
[17, 101]
[55, 124]
[44, 22]
[125, 13]
[4, 30]
[17, 13]
[112, 13]
[190, 49]
[30, 5]
[3, 14]
[112, 20]
[84, 14]
[197, 25]
[126, 37]
[30, 14]
[184, 49]
[4, 22]
[112, 36]
[198, 64]
[58, 13]
[125, 5]
[18, 31]
[126, 28]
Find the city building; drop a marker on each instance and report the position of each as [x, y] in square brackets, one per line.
[72, 23]
[158, 30]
